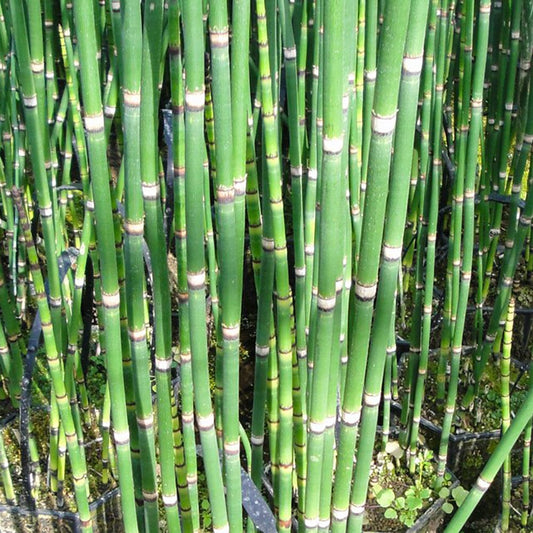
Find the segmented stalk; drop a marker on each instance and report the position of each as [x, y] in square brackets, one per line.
[94, 125]
[194, 193]
[505, 373]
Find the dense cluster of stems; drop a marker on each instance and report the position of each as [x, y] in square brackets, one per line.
[345, 176]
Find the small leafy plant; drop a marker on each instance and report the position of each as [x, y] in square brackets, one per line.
[404, 508]
[457, 494]
[403, 496]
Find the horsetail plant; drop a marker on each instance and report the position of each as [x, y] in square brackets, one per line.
[320, 146]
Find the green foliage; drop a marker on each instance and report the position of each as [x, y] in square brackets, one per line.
[456, 495]
[205, 507]
[404, 508]
[403, 496]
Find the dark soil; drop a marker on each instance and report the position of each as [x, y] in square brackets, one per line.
[54, 512]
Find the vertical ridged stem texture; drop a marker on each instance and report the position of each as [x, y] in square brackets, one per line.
[94, 126]
[130, 56]
[194, 193]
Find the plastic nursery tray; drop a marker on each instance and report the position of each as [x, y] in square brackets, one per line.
[105, 512]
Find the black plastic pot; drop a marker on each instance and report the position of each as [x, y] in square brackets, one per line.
[26, 515]
[460, 445]
[434, 516]
[105, 512]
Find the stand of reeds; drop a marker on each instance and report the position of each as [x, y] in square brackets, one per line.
[340, 174]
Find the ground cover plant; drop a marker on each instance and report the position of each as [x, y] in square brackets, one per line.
[236, 236]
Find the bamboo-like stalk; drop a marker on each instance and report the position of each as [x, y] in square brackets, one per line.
[505, 373]
[79, 468]
[130, 56]
[189, 503]
[436, 171]
[262, 345]
[14, 339]
[151, 57]
[410, 31]
[94, 125]
[428, 213]
[468, 247]
[240, 102]
[294, 105]
[194, 186]
[302, 106]
[365, 286]
[329, 268]
[514, 244]
[526, 468]
[7, 481]
[493, 465]
[228, 253]
[282, 288]
[40, 155]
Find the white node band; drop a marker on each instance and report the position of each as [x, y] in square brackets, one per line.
[330, 421]
[195, 100]
[230, 332]
[131, 99]
[37, 67]
[257, 441]
[482, 484]
[392, 253]
[187, 418]
[365, 292]
[300, 271]
[219, 39]
[232, 448]
[413, 65]
[146, 422]
[169, 500]
[296, 172]
[332, 145]
[206, 422]
[326, 303]
[350, 418]
[134, 228]
[340, 514]
[268, 244]
[383, 125]
[262, 351]
[311, 523]
[239, 184]
[372, 400]
[121, 437]
[357, 509]
[94, 123]
[149, 496]
[111, 300]
[30, 101]
[317, 427]
[163, 365]
[150, 191]
[137, 335]
[290, 53]
[46, 212]
[196, 279]
[371, 75]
